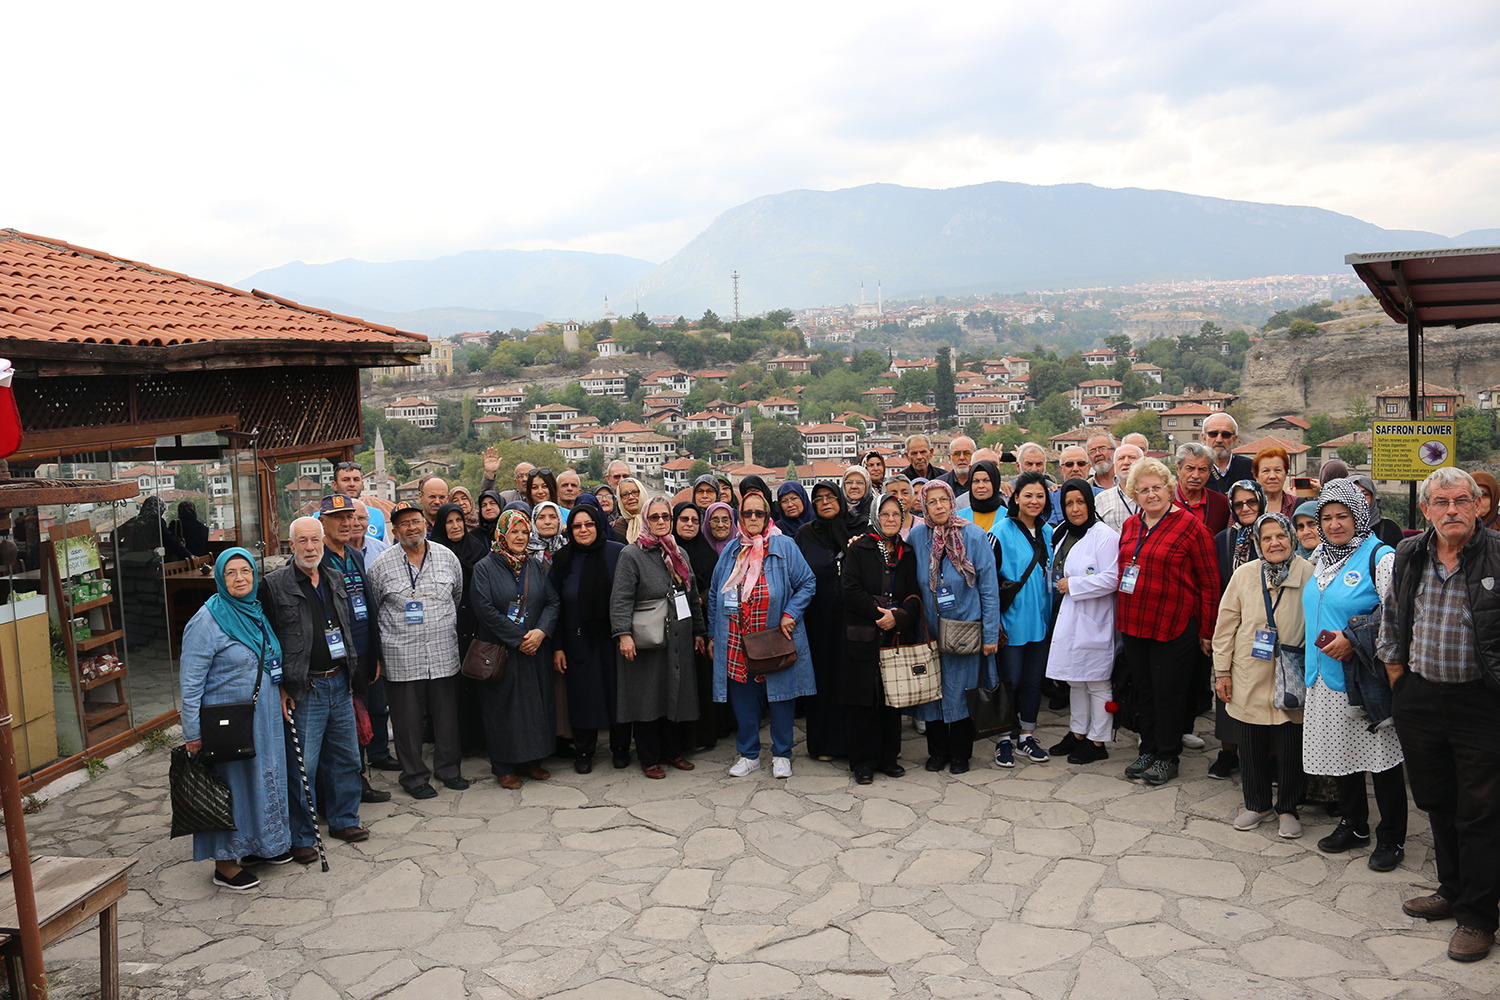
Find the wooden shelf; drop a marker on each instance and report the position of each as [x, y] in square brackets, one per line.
[100, 639]
[99, 713]
[89, 685]
[97, 602]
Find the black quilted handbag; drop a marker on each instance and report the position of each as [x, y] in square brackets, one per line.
[200, 798]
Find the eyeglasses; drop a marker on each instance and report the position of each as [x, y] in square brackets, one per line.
[687, 520]
[1462, 503]
[346, 466]
[1073, 465]
[1244, 504]
[1150, 490]
[744, 514]
[629, 493]
[719, 520]
[540, 472]
[658, 517]
[1218, 434]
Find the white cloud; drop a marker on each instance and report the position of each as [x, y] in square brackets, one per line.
[220, 141]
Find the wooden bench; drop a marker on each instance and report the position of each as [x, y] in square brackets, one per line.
[68, 892]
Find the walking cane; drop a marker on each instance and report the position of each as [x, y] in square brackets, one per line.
[307, 790]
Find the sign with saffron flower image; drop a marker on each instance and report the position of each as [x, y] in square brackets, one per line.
[1410, 449]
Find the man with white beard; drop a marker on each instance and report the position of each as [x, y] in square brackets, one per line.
[960, 455]
[1101, 449]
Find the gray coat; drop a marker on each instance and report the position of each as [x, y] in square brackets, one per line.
[298, 624]
[660, 683]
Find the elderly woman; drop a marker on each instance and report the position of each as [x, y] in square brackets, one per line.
[858, 493]
[956, 577]
[1236, 546]
[1351, 572]
[1271, 468]
[701, 733]
[1489, 500]
[1168, 604]
[1023, 544]
[583, 575]
[461, 496]
[517, 607]
[547, 536]
[657, 686]
[981, 504]
[795, 506]
[898, 486]
[632, 495]
[718, 525]
[1085, 575]
[881, 607]
[449, 531]
[823, 543]
[874, 464]
[1305, 524]
[761, 582]
[229, 654]
[705, 491]
[490, 506]
[1260, 613]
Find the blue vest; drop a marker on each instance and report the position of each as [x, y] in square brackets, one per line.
[1350, 593]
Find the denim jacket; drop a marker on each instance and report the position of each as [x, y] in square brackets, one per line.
[1365, 678]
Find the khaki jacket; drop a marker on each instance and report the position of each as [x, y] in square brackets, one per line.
[1242, 611]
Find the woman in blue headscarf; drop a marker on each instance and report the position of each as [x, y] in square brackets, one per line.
[793, 508]
[227, 648]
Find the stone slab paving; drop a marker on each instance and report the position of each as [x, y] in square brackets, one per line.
[1047, 881]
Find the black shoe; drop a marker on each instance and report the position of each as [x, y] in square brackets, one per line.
[1137, 767]
[864, 776]
[255, 859]
[1065, 746]
[1343, 837]
[1386, 857]
[374, 795]
[422, 792]
[239, 881]
[457, 784]
[583, 763]
[1161, 771]
[1224, 765]
[936, 764]
[621, 759]
[1088, 753]
[386, 764]
[960, 765]
[892, 770]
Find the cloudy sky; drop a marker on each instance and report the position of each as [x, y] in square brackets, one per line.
[221, 139]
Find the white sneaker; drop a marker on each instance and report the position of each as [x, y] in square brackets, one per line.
[781, 767]
[919, 726]
[1192, 741]
[744, 766]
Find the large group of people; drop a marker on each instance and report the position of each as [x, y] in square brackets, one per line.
[1147, 588]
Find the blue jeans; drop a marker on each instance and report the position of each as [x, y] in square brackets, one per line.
[747, 700]
[1024, 667]
[325, 728]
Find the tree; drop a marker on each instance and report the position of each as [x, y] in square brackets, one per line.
[709, 321]
[700, 467]
[944, 397]
[914, 386]
[1057, 409]
[776, 444]
[641, 321]
[1147, 422]
[779, 318]
[1476, 434]
[699, 443]
[1354, 455]
[595, 467]
[1118, 342]
[1321, 427]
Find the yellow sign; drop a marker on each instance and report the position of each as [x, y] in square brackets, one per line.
[1410, 449]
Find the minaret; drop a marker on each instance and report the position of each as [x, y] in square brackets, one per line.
[748, 438]
[379, 479]
[879, 300]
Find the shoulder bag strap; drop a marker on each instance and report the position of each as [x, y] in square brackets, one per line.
[260, 666]
[1036, 557]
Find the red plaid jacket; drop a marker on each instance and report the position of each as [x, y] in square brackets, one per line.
[1179, 578]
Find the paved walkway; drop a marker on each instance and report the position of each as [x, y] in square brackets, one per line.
[1049, 881]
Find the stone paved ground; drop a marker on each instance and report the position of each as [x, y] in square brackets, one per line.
[1048, 881]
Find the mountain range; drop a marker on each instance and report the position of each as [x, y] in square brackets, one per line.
[808, 248]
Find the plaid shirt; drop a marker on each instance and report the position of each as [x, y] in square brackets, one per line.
[752, 618]
[1442, 631]
[1179, 578]
[426, 651]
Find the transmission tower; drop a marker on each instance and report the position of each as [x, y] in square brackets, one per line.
[736, 276]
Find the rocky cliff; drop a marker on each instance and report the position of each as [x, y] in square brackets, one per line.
[1320, 372]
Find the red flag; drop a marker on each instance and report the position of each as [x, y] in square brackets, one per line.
[10, 417]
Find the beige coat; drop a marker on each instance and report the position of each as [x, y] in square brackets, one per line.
[1241, 611]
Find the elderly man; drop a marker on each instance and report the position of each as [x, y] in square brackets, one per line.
[349, 479]
[362, 538]
[569, 486]
[919, 459]
[309, 611]
[492, 469]
[1440, 642]
[433, 493]
[960, 455]
[1073, 463]
[618, 469]
[1139, 440]
[415, 590]
[1101, 449]
[1193, 494]
[1221, 433]
[1032, 457]
[1114, 505]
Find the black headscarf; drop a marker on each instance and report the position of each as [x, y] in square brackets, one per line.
[594, 581]
[993, 503]
[486, 529]
[700, 554]
[469, 549]
[754, 484]
[833, 533]
[1068, 527]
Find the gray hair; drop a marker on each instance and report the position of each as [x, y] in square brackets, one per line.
[1234, 424]
[1444, 477]
[918, 437]
[1073, 447]
[1192, 449]
[291, 529]
[1101, 434]
[1027, 446]
[1141, 452]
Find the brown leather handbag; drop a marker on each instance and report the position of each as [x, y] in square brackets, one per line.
[769, 651]
[485, 661]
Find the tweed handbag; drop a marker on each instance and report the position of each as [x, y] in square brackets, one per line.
[201, 801]
[912, 675]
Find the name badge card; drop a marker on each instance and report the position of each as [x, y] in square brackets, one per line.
[357, 602]
[732, 601]
[414, 612]
[515, 612]
[1264, 647]
[1129, 578]
[680, 605]
[273, 667]
[945, 598]
[335, 639]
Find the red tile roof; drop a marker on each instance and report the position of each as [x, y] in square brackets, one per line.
[54, 291]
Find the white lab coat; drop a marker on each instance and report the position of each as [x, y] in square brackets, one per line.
[1083, 644]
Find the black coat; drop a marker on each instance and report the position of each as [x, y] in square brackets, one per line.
[591, 676]
[863, 577]
[297, 625]
[1480, 560]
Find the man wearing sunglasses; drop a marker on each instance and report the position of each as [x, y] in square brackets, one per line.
[1221, 433]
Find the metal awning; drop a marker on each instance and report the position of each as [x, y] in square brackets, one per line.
[1435, 287]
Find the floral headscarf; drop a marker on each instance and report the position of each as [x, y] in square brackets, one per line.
[1246, 546]
[502, 528]
[749, 560]
[1276, 573]
[947, 540]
